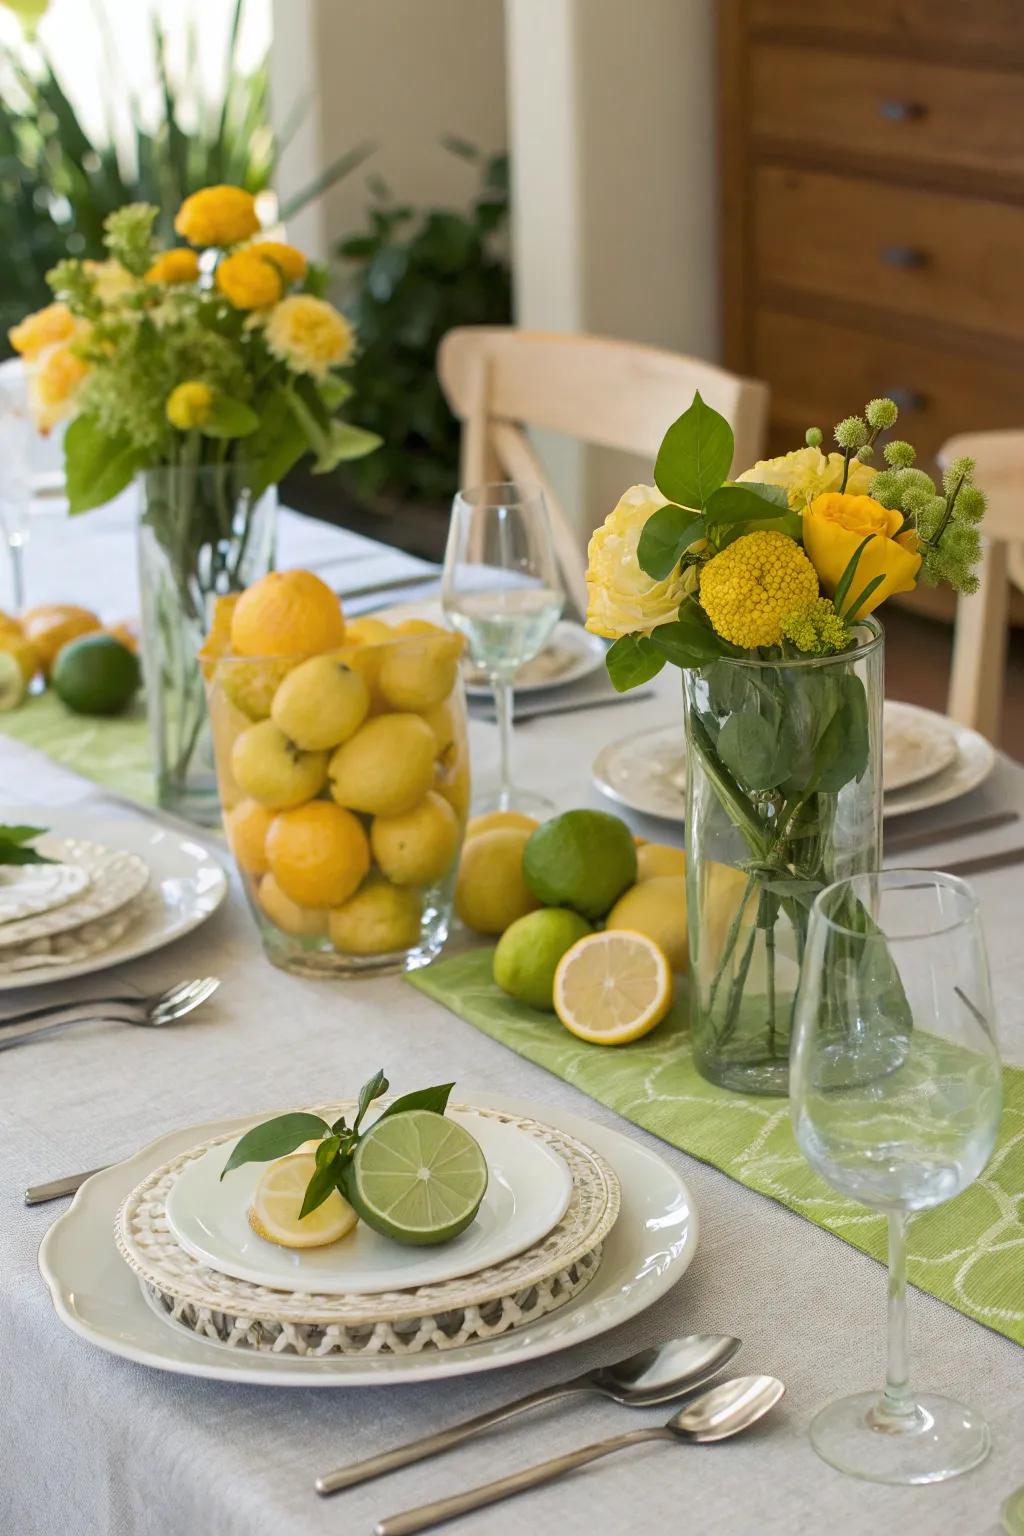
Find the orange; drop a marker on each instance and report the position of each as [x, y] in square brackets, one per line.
[51, 626]
[299, 922]
[246, 827]
[288, 613]
[318, 853]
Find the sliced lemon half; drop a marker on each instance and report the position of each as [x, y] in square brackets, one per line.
[274, 1214]
[612, 987]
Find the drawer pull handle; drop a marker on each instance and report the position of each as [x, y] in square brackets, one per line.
[902, 111]
[907, 399]
[903, 256]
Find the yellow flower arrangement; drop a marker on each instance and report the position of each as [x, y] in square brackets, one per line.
[753, 585]
[290, 261]
[621, 598]
[45, 328]
[835, 525]
[806, 473]
[309, 335]
[179, 265]
[217, 216]
[189, 405]
[248, 281]
[110, 280]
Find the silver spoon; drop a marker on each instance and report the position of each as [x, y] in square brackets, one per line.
[715, 1415]
[153, 1012]
[641, 1381]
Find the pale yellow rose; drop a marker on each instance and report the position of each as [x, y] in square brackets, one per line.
[621, 598]
[110, 280]
[53, 385]
[45, 328]
[834, 527]
[807, 472]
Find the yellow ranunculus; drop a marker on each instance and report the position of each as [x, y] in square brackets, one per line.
[43, 329]
[189, 405]
[290, 262]
[177, 266]
[621, 597]
[309, 335]
[835, 525]
[53, 384]
[217, 216]
[247, 281]
[807, 472]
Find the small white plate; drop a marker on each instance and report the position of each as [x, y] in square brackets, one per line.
[28, 889]
[96, 1295]
[187, 884]
[917, 744]
[571, 653]
[528, 1189]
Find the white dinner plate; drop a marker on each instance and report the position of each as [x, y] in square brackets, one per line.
[187, 884]
[96, 1295]
[647, 771]
[571, 653]
[528, 1190]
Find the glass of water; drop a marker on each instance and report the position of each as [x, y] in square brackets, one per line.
[16, 432]
[502, 590]
[896, 1096]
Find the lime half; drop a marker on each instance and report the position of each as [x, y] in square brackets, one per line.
[418, 1177]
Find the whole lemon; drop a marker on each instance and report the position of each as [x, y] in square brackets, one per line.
[251, 685]
[491, 892]
[581, 859]
[321, 703]
[454, 783]
[318, 853]
[659, 859]
[23, 650]
[386, 767]
[13, 686]
[273, 770]
[529, 950]
[287, 613]
[443, 721]
[300, 922]
[378, 920]
[492, 819]
[657, 909]
[368, 631]
[9, 625]
[51, 626]
[419, 672]
[246, 827]
[417, 847]
[218, 637]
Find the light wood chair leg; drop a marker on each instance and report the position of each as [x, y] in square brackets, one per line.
[979, 647]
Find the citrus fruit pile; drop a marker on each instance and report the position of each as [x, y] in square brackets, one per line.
[94, 671]
[342, 762]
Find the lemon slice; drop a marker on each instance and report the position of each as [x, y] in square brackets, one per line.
[612, 987]
[274, 1214]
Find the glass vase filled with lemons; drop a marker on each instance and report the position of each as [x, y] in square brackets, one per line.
[343, 770]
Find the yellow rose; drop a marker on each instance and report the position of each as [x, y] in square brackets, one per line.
[189, 405]
[247, 281]
[835, 525]
[45, 328]
[807, 472]
[291, 263]
[309, 335]
[621, 597]
[217, 216]
[178, 266]
[53, 385]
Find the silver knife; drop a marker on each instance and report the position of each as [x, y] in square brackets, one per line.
[985, 861]
[38, 1194]
[901, 842]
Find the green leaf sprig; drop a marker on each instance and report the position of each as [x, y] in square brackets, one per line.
[337, 1142]
[14, 847]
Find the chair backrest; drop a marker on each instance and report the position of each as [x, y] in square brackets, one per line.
[614, 394]
[978, 674]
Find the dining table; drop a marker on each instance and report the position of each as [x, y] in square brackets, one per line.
[95, 1445]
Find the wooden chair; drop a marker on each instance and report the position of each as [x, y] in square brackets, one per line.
[615, 394]
[978, 673]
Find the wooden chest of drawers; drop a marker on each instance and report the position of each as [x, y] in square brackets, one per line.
[872, 235]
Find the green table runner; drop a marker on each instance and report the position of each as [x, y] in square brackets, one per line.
[113, 751]
[969, 1252]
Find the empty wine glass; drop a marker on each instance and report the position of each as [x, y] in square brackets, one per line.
[896, 1097]
[502, 590]
[15, 479]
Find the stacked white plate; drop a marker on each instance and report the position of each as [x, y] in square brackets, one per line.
[580, 1229]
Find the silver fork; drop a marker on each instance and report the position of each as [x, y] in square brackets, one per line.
[151, 1012]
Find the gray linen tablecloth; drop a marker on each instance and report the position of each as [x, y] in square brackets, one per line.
[95, 1446]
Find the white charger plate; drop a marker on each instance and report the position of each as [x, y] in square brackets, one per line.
[528, 1190]
[96, 1295]
[187, 884]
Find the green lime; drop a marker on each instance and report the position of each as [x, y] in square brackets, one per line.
[529, 950]
[582, 859]
[12, 682]
[95, 675]
[417, 1177]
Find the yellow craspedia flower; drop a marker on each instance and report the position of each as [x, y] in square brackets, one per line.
[45, 328]
[217, 216]
[289, 261]
[189, 405]
[749, 589]
[807, 472]
[178, 266]
[622, 598]
[247, 281]
[53, 385]
[309, 335]
[834, 527]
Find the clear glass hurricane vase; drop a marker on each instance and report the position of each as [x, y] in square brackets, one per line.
[784, 789]
[201, 535]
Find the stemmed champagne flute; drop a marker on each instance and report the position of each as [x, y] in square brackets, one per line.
[502, 590]
[896, 1096]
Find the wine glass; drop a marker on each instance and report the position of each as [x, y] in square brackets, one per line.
[896, 1096]
[15, 479]
[502, 590]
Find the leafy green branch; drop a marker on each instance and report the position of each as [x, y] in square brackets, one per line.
[14, 847]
